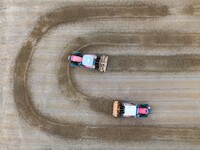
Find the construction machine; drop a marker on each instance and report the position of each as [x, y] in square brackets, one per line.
[88, 61]
[129, 109]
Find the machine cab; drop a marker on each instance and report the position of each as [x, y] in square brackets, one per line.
[89, 61]
[130, 110]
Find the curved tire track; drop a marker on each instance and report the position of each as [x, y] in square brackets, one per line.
[29, 112]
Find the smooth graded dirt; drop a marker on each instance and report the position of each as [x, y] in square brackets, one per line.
[24, 92]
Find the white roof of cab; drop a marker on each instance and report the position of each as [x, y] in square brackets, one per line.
[88, 60]
[130, 110]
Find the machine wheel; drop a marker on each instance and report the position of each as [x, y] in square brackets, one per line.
[143, 116]
[74, 64]
[76, 53]
[144, 105]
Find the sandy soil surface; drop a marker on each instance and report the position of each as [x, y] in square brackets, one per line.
[153, 58]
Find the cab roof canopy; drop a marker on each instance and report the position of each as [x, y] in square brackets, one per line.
[130, 110]
[88, 60]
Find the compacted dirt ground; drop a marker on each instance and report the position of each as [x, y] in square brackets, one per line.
[153, 49]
